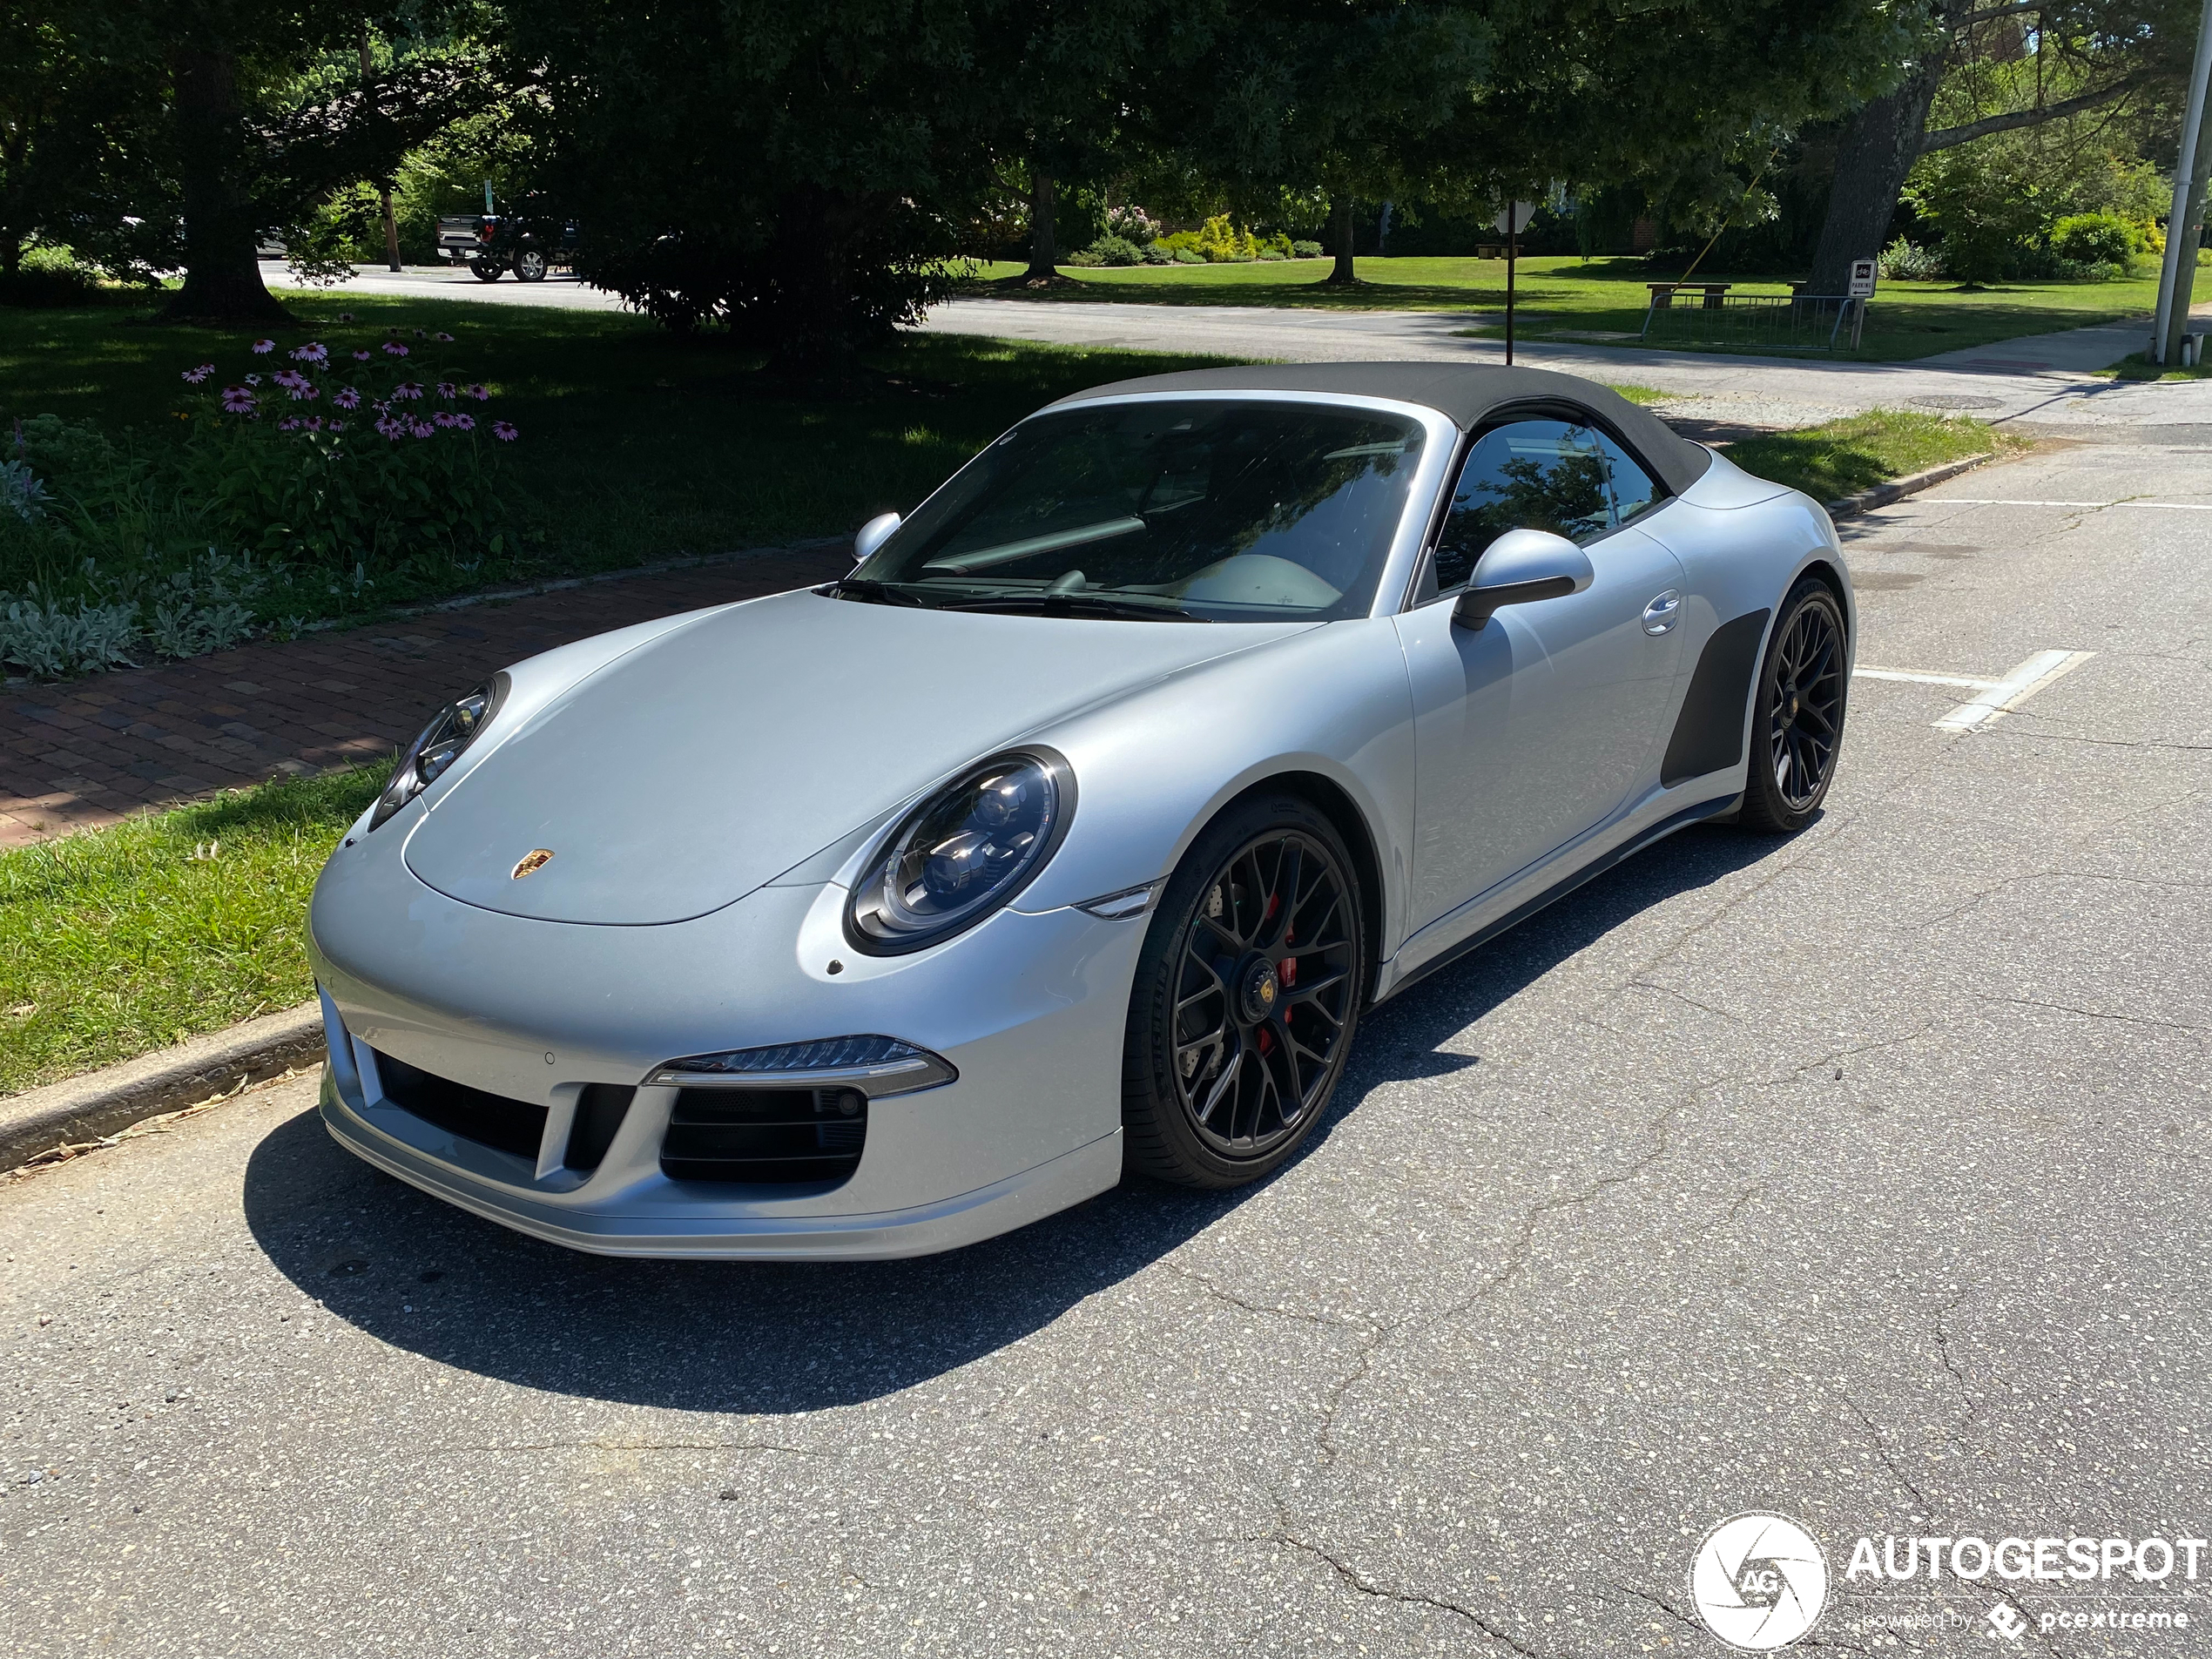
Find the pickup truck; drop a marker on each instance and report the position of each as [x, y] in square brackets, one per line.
[526, 242]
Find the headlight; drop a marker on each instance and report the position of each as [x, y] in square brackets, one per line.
[439, 747]
[963, 853]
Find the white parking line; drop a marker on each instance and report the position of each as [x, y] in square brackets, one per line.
[1991, 698]
[2013, 690]
[1919, 678]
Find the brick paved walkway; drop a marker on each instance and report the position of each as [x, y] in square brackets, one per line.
[86, 752]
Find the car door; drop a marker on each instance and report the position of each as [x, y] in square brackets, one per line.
[1544, 722]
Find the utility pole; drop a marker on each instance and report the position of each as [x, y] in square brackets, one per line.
[2177, 273]
[384, 187]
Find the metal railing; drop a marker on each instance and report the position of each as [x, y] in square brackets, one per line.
[1755, 321]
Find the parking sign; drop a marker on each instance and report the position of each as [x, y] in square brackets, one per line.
[1862, 278]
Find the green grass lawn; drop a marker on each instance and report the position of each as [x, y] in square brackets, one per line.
[1840, 457]
[125, 940]
[635, 446]
[1599, 301]
[2137, 366]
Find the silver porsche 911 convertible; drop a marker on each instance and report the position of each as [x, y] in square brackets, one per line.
[1074, 831]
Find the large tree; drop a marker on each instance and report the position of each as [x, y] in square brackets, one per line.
[2099, 52]
[1350, 96]
[79, 137]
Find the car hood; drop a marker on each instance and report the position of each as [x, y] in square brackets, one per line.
[722, 753]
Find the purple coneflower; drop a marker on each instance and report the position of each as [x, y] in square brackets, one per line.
[313, 352]
[346, 398]
[393, 349]
[196, 375]
[466, 423]
[262, 347]
[504, 431]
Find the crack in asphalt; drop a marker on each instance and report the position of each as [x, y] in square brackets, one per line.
[2099, 1013]
[1889, 1462]
[1943, 1352]
[1352, 1577]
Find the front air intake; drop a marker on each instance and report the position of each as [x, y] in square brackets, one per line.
[782, 1137]
[476, 1115]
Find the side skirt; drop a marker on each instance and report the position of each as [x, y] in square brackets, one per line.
[1566, 885]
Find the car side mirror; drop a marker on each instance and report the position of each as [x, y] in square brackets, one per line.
[873, 535]
[1519, 567]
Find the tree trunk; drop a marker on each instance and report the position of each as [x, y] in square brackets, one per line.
[1880, 144]
[1044, 252]
[222, 277]
[1340, 228]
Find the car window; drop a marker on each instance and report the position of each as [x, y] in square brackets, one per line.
[1632, 490]
[1527, 475]
[1221, 510]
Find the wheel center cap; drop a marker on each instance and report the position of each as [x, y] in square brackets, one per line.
[1260, 991]
[1793, 706]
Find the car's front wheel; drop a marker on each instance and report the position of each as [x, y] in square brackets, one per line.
[529, 266]
[1246, 997]
[1797, 726]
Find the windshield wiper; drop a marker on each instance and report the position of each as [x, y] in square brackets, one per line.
[862, 587]
[1096, 605]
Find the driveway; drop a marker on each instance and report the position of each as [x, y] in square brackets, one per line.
[1860, 1178]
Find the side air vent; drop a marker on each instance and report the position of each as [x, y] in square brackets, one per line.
[490, 1120]
[766, 1136]
[599, 1112]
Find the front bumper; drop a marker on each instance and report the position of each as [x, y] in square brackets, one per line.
[1030, 1009]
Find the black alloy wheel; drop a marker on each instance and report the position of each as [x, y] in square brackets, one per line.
[1246, 998]
[1799, 723]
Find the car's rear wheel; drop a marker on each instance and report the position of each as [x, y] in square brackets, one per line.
[1246, 997]
[488, 268]
[529, 266]
[1797, 724]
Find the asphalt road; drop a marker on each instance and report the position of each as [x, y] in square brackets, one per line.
[1861, 1177]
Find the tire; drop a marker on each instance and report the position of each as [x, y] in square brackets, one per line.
[1246, 999]
[1797, 718]
[487, 270]
[529, 266]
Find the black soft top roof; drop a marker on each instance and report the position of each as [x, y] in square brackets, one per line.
[1469, 394]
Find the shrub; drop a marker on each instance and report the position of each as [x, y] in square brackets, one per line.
[1115, 250]
[1902, 261]
[1221, 243]
[53, 640]
[2095, 238]
[1303, 250]
[1159, 254]
[1131, 225]
[1083, 260]
[50, 277]
[1188, 256]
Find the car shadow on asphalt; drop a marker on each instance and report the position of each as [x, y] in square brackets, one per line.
[770, 1338]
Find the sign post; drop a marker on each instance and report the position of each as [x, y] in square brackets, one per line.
[1512, 218]
[1863, 274]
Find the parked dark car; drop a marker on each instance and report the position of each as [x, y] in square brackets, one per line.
[530, 240]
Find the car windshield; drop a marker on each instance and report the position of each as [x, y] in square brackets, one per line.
[1212, 510]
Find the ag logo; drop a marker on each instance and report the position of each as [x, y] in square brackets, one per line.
[1759, 1582]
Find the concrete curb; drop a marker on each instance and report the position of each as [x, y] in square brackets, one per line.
[1898, 489]
[102, 1102]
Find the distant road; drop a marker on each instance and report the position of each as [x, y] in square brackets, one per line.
[2044, 379]
[449, 282]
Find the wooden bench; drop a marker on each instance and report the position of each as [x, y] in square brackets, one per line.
[1663, 294]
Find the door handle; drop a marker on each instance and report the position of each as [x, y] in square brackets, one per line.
[1662, 613]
